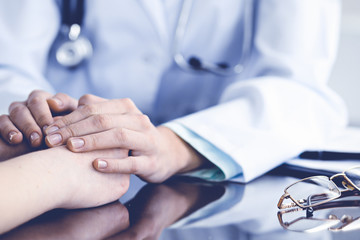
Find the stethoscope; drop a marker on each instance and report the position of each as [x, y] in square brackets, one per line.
[78, 48]
[194, 63]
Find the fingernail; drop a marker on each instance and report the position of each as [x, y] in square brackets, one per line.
[52, 129]
[58, 101]
[77, 142]
[34, 136]
[101, 164]
[54, 139]
[11, 135]
[45, 127]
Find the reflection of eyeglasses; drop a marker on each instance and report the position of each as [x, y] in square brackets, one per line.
[294, 220]
[313, 191]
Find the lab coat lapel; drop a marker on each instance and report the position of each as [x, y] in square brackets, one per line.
[156, 12]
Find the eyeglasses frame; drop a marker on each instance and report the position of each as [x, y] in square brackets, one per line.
[347, 184]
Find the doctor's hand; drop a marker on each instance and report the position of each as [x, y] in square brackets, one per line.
[10, 151]
[27, 119]
[155, 153]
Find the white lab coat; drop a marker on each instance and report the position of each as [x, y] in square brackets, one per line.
[277, 107]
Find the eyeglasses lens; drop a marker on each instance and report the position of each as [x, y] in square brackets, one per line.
[354, 176]
[314, 190]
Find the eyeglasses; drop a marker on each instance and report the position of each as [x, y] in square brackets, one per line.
[332, 216]
[313, 191]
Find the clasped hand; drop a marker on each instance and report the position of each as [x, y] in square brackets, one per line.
[94, 123]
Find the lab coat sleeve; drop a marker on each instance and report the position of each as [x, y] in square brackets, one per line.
[224, 167]
[280, 105]
[27, 29]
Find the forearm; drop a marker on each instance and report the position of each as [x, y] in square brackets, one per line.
[55, 178]
[29, 187]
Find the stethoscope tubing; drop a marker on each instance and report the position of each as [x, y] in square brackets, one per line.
[77, 48]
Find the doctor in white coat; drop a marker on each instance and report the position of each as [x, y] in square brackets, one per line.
[242, 82]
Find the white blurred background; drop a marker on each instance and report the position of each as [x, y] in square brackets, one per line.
[345, 78]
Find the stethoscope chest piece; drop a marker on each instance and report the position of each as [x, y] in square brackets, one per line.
[75, 50]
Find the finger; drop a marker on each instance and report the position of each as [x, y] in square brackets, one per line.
[90, 99]
[62, 102]
[9, 132]
[99, 123]
[24, 121]
[113, 138]
[119, 106]
[57, 118]
[130, 165]
[39, 108]
[10, 151]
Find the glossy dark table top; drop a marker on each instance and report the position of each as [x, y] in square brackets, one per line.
[182, 208]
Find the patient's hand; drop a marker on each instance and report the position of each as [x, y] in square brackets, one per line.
[84, 186]
[55, 178]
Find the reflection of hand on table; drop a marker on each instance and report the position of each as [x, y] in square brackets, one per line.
[156, 207]
[95, 223]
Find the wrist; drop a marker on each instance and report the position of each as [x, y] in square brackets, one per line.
[57, 178]
[185, 157]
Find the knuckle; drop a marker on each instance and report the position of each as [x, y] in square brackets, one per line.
[16, 108]
[86, 98]
[128, 103]
[35, 93]
[144, 121]
[3, 118]
[28, 128]
[33, 101]
[102, 121]
[134, 166]
[5, 123]
[89, 109]
[69, 132]
[42, 120]
[90, 142]
[61, 95]
[63, 121]
[121, 135]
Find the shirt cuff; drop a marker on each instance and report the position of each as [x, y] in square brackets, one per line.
[225, 167]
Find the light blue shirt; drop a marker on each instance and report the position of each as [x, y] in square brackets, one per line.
[225, 166]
